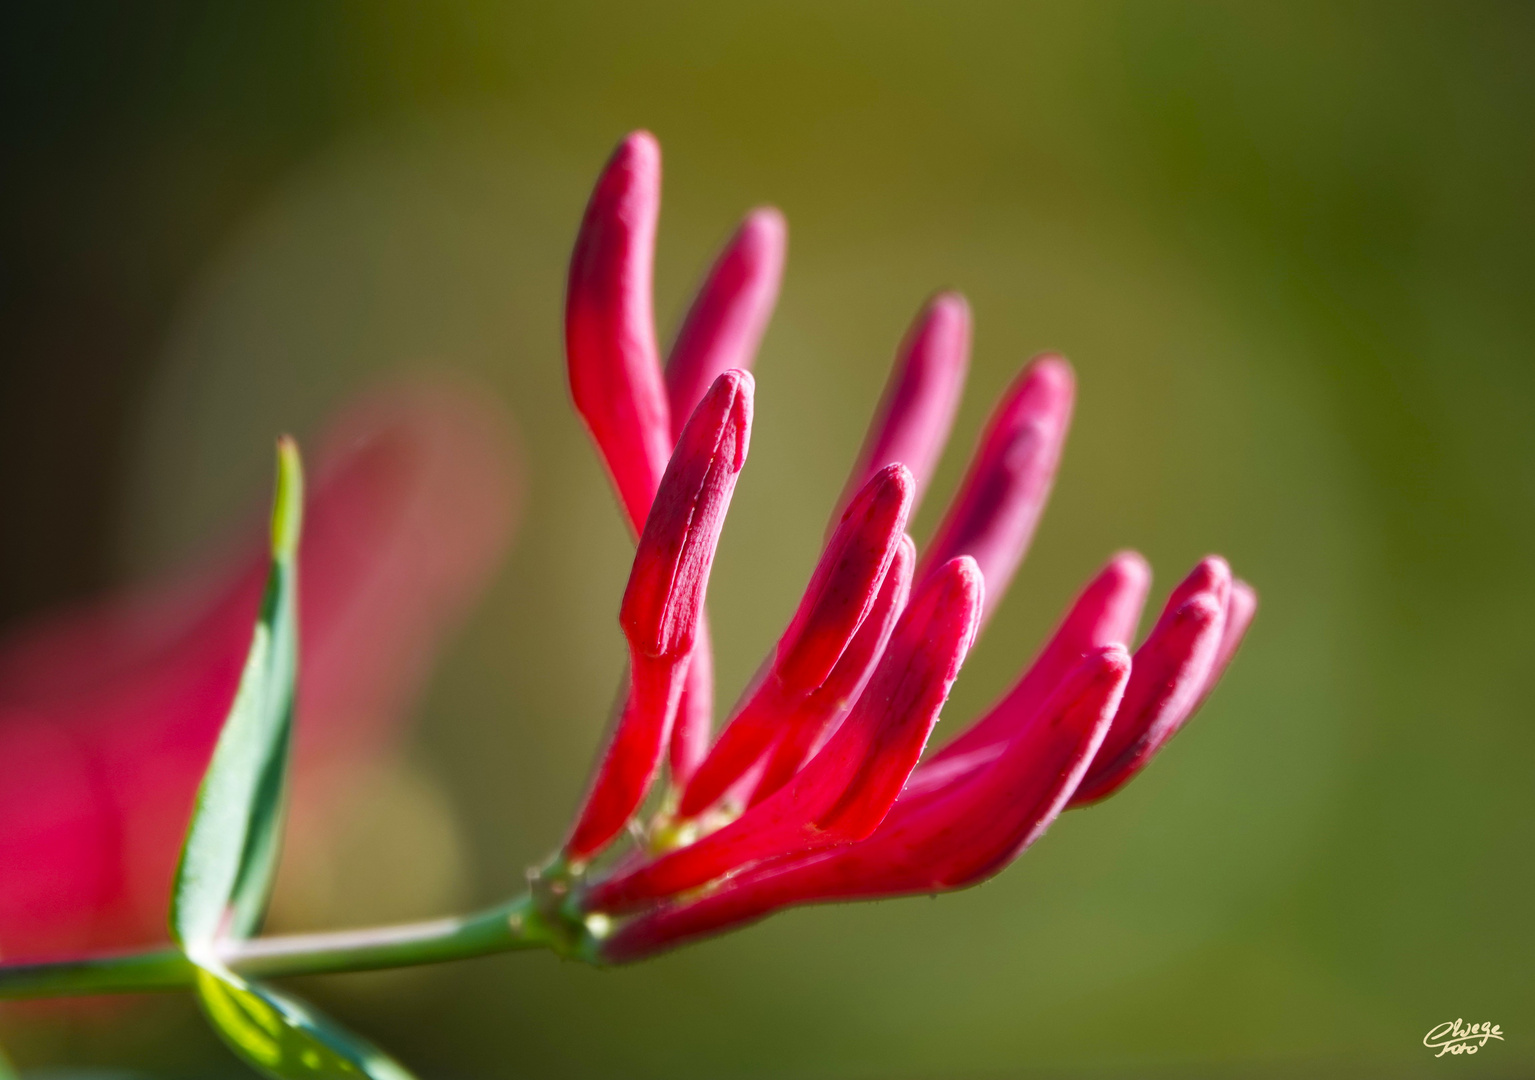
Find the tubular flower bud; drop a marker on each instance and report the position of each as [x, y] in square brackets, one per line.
[843, 589]
[1172, 669]
[663, 603]
[830, 701]
[730, 312]
[1003, 494]
[689, 743]
[722, 331]
[1240, 609]
[815, 789]
[610, 339]
[914, 415]
[846, 581]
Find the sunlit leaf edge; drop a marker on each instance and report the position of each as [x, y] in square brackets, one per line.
[284, 1038]
[230, 854]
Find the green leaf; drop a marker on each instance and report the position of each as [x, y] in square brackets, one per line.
[285, 1039]
[7, 1070]
[230, 854]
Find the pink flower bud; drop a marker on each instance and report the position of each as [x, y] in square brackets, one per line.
[912, 422]
[831, 700]
[610, 341]
[993, 518]
[730, 312]
[1171, 670]
[846, 581]
[1240, 609]
[691, 729]
[664, 598]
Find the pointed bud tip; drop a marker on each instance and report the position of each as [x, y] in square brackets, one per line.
[1050, 374]
[1201, 610]
[973, 593]
[1110, 661]
[959, 586]
[1211, 574]
[725, 409]
[1128, 568]
[740, 384]
[639, 149]
[949, 305]
[764, 230]
[895, 480]
[629, 185]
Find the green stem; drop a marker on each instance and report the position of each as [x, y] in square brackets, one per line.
[515, 925]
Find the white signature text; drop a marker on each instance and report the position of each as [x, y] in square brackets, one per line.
[1454, 1037]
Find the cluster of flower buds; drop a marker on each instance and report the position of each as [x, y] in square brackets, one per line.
[816, 788]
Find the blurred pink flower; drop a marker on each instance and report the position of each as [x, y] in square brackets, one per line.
[813, 790]
[108, 713]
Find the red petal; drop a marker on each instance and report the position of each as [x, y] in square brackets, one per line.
[846, 581]
[729, 313]
[917, 409]
[664, 597]
[999, 503]
[1171, 669]
[695, 712]
[610, 342]
[831, 700]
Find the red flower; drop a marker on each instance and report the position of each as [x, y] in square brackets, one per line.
[108, 715]
[813, 790]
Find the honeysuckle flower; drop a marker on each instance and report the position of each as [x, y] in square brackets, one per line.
[815, 789]
[108, 714]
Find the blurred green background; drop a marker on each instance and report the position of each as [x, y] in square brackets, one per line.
[1289, 250]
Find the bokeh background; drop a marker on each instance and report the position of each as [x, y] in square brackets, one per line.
[1289, 250]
